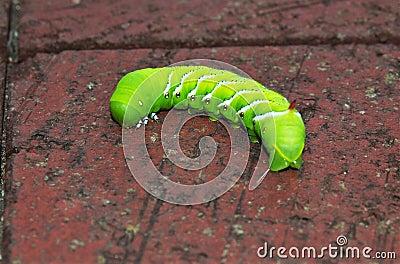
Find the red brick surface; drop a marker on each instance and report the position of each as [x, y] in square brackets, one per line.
[57, 25]
[72, 198]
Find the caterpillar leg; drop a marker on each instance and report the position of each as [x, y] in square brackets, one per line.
[144, 122]
[153, 116]
[252, 135]
[193, 111]
[253, 139]
[139, 124]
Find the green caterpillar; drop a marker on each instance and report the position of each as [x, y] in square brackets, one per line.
[266, 114]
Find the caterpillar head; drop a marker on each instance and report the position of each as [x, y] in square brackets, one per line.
[283, 135]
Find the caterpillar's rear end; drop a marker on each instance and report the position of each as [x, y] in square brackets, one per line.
[120, 102]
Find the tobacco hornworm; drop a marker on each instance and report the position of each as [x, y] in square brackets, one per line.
[266, 114]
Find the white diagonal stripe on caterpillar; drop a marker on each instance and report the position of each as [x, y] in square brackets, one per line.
[229, 101]
[178, 89]
[202, 78]
[219, 84]
[273, 114]
[168, 85]
[252, 104]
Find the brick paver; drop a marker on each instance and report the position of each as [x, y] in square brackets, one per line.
[70, 196]
[73, 197]
[57, 25]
